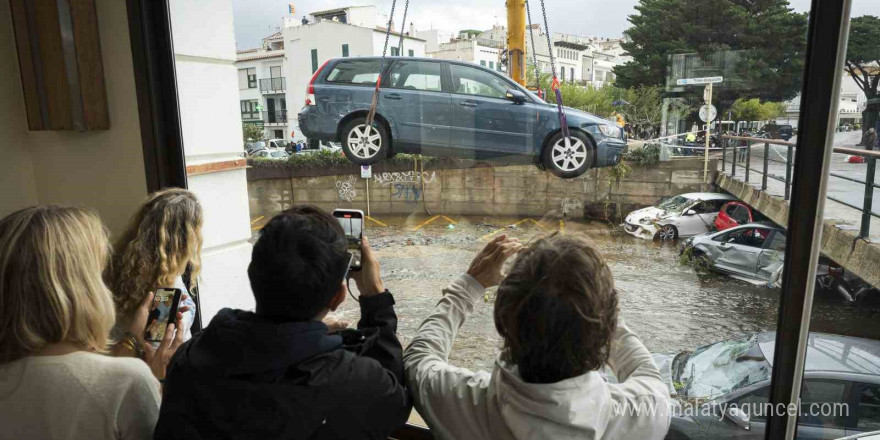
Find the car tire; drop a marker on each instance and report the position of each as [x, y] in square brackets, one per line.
[365, 145]
[568, 161]
[667, 233]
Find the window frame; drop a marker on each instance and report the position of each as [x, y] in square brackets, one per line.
[453, 89]
[345, 51]
[314, 56]
[386, 77]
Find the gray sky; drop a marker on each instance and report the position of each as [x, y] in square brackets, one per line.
[255, 19]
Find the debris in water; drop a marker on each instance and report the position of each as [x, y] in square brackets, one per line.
[451, 227]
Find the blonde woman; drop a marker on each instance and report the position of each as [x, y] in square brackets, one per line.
[55, 317]
[162, 241]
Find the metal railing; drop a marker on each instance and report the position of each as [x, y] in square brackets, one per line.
[275, 117]
[273, 85]
[742, 147]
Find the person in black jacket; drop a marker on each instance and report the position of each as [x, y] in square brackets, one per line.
[278, 373]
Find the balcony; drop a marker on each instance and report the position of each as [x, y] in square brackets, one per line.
[273, 85]
[277, 117]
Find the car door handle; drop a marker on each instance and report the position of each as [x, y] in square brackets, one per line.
[393, 96]
[468, 103]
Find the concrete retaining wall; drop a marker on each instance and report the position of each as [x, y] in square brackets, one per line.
[505, 190]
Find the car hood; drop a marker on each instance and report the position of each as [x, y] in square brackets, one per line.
[651, 212]
[589, 117]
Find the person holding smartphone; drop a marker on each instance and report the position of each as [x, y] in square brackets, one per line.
[279, 372]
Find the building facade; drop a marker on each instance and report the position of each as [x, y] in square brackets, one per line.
[484, 48]
[262, 85]
[579, 59]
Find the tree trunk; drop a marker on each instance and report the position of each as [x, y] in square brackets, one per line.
[870, 118]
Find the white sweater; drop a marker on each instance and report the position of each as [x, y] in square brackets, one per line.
[77, 396]
[460, 404]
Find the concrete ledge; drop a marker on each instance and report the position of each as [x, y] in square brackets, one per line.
[843, 246]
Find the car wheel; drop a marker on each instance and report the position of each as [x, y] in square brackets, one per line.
[568, 158]
[364, 145]
[667, 233]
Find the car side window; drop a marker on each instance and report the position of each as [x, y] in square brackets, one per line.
[416, 75]
[356, 72]
[816, 393]
[754, 403]
[778, 242]
[869, 408]
[741, 215]
[471, 81]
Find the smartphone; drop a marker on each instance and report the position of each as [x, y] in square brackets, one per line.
[352, 221]
[162, 312]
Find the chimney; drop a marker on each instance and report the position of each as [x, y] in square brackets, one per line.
[412, 29]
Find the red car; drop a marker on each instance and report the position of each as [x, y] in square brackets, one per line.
[733, 214]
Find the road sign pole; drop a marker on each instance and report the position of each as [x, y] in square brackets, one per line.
[708, 135]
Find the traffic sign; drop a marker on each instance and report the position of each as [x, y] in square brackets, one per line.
[708, 113]
[366, 171]
[704, 80]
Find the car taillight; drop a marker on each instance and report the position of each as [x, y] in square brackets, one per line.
[310, 90]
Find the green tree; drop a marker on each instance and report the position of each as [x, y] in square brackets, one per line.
[755, 110]
[863, 62]
[645, 108]
[771, 33]
[252, 132]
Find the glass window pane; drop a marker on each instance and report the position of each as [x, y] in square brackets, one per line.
[355, 72]
[416, 75]
[470, 81]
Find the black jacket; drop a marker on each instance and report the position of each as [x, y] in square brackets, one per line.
[245, 377]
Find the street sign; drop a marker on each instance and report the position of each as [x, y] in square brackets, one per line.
[707, 94]
[366, 171]
[708, 113]
[705, 80]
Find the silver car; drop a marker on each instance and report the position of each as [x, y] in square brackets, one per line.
[680, 216]
[723, 388]
[753, 252]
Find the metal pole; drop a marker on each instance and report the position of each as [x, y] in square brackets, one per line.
[748, 160]
[788, 160]
[766, 166]
[368, 197]
[708, 136]
[869, 195]
[724, 153]
[733, 162]
[516, 40]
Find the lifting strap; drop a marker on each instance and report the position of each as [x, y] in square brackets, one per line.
[375, 102]
[563, 122]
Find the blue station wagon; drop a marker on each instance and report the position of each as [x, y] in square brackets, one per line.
[452, 109]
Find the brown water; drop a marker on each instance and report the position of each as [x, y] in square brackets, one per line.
[669, 305]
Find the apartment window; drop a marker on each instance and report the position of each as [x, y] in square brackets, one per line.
[483, 63]
[571, 72]
[562, 71]
[249, 109]
[344, 51]
[275, 72]
[247, 78]
[412, 53]
[492, 65]
[314, 60]
[395, 51]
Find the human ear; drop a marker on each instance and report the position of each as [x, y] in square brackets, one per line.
[339, 297]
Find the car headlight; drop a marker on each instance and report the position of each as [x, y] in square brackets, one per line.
[611, 131]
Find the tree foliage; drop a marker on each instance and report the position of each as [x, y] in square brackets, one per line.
[863, 53]
[771, 33]
[252, 132]
[755, 110]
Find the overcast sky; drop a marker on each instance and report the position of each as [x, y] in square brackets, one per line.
[254, 19]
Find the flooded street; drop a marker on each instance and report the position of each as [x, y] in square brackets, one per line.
[669, 305]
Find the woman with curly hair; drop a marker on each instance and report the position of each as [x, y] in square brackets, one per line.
[162, 241]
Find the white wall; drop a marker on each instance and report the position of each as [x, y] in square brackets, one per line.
[211, 120]
[100, 170]
[416, 45]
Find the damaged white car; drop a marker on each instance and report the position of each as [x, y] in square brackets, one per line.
[684, 215]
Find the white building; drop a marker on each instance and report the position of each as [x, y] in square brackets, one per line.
[262, 86]
[579, 59]
[484, 48]
[343, 32]
[852, 103]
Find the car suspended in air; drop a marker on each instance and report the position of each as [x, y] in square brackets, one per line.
[447, 108]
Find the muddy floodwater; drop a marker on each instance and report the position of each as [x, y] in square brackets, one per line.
[669, 305]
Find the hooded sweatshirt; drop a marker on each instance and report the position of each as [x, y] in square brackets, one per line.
[460, 404]
[249, 377]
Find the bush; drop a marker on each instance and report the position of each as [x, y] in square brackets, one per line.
[649, 154]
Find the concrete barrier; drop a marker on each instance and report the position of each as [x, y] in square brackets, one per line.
[480, 190]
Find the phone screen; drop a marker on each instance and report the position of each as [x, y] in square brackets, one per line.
[352, 222]
[162, 312]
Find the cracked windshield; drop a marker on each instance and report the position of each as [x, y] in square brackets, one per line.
[660, 135]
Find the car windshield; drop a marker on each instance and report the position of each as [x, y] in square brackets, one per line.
[278, 154]
[258, 145]
[676, 203]
[720, 368]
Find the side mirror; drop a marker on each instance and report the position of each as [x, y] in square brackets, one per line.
[738, 417]
[690, 212]
[516, 96]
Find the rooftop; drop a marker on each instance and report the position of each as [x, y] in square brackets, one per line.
[255, 54]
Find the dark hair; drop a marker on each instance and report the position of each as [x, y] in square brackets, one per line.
[298, 263]
[557, 310]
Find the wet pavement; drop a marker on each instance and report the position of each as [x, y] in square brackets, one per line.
[669, 305]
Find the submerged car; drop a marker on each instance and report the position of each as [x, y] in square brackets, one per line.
[684, 215]
[754, 252]
[733, 214]
[450, 109]
[723, 389]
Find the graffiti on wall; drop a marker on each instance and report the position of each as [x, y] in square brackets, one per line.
[404, 177]
[407, 192]
[572, 206]
[346, 189]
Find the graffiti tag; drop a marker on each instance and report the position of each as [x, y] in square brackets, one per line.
[572, 205]
[346, 189]
[404, 177]
[406, 192]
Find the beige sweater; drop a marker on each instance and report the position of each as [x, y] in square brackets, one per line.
[461, 404]
[77, 396]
